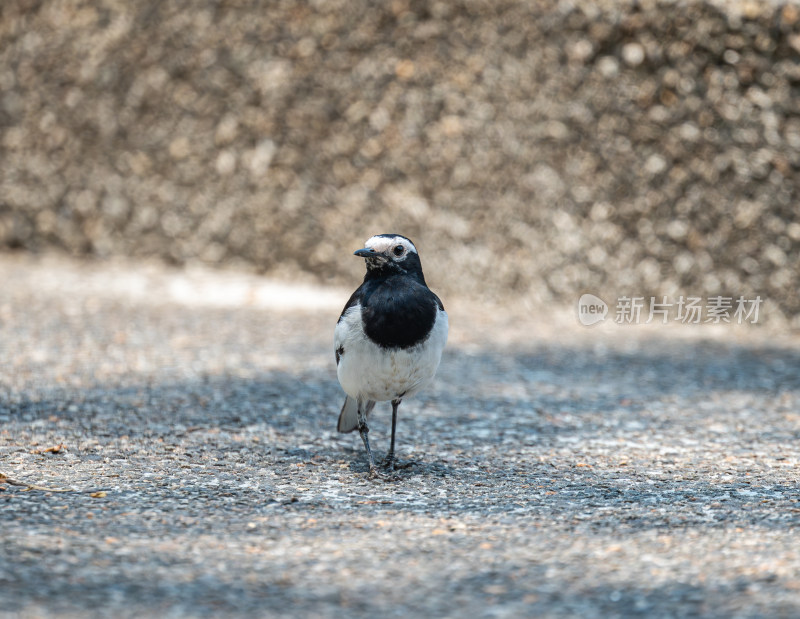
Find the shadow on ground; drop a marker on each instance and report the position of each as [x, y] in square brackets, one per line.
[558, 480]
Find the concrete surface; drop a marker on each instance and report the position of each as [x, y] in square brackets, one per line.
[560, 470]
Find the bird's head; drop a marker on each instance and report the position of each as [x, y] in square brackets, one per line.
[390, 253]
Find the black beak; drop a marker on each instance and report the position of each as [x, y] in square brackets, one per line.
[366, 253]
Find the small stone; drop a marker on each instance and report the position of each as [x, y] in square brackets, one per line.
[608, 66]
[179, 148]
[633, 54]
[731, 56]
[405, 69]
[262, 157]
[655, 164]
[227, 130]
[226, 163]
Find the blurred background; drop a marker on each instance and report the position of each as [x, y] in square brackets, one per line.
[532, 150]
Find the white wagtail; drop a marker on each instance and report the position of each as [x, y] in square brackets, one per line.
[389, 339]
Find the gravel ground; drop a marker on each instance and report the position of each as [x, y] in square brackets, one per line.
[641, 146]
[560, 470]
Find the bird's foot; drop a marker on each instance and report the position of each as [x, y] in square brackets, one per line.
[376, 475]
[391, 463]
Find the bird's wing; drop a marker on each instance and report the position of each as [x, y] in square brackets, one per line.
[339, 332]
[354, 299]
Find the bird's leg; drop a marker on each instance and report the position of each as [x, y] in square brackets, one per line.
[389, 461]
[363, 430]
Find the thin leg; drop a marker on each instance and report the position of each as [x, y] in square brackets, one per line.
[363, 430]
[389, 462]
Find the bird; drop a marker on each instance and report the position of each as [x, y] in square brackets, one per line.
[389, 338]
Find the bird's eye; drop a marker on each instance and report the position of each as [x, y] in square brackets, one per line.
[398, 250]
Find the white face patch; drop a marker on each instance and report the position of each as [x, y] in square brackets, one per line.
[389, 246]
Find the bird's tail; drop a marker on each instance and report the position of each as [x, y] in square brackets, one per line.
[348, 418]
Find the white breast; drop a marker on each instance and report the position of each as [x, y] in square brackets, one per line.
[369, 372]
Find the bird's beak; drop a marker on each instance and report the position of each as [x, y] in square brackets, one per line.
[366, 253]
